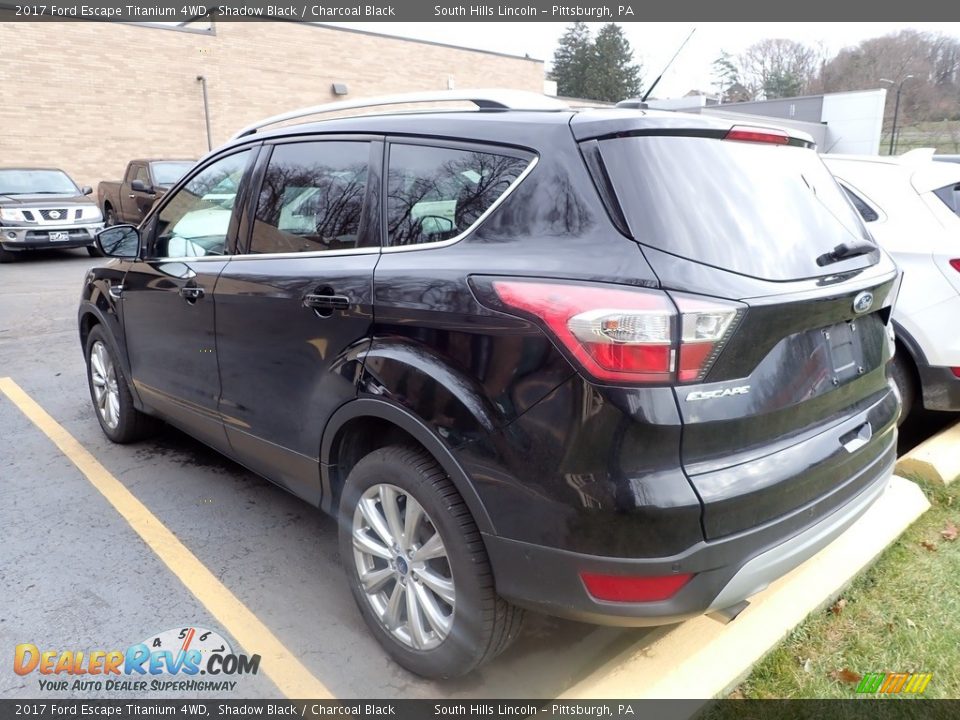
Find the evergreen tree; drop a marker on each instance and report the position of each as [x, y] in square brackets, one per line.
[601, 69]
[613, 75]
[572, 60]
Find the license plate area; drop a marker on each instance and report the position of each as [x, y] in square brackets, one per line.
[58, 236]
[845, 350]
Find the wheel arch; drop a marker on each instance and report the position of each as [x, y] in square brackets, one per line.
[385, 424]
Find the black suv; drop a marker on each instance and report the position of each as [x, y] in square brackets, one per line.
[616, 365]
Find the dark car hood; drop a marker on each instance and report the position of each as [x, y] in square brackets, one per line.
[44, 200]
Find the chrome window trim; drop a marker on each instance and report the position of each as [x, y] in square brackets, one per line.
[371, 250]
[483, 216]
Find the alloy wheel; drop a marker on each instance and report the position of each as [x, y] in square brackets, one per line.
[403, 567]
[103, 376]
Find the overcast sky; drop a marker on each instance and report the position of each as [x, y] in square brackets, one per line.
[653, 43]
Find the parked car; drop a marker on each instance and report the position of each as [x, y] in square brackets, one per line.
[911, 206]
[129, 200]
[947, 158]
[620, 366]
[42, 208]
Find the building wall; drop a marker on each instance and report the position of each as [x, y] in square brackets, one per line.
[87, 97]
[854, 121]
[804, 109]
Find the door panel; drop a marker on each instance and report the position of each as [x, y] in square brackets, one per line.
[168, 298]
[294, 313]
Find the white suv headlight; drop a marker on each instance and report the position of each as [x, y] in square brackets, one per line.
[12, 215]
[92, 214]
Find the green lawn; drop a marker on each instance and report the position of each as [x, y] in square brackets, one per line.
[901, 615]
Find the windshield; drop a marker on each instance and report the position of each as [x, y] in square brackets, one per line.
[767, 211]
[29, 182]
[168, 172]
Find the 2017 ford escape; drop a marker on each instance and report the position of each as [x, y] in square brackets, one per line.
[615, 365]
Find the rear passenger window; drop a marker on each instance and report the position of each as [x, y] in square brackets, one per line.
[866, 212]
[311, 198]
[437, 193]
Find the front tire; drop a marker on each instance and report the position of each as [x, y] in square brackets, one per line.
[94, 251]
[112, 401]
[417, 566]
[7, 256]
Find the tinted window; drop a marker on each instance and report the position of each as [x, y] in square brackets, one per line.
[168, 172]
[195, 220]
[950, 196]
[311, 198]
[866, 212]
[438, 193]
[142, 174]
[762, 210]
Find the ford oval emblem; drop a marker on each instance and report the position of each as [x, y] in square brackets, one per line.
[863, 302]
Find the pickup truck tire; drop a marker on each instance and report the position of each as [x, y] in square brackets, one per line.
[7, 256]
[109, 216]
[94, 251]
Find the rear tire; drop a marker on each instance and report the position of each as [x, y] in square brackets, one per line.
[120, 421]
[94, 251]
[902, 372]
[109, 217]
[435, 554]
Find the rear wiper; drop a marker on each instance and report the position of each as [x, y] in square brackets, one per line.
[846, 250]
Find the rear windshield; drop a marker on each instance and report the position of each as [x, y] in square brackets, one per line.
[768, 211]
[950, 196]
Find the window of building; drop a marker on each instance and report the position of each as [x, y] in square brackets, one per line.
[437, 193]
[311, 198]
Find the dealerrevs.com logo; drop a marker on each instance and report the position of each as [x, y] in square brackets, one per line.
[186, 652]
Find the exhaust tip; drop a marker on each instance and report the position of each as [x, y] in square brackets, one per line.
[728, 614]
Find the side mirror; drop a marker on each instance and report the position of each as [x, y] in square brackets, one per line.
[86, 190]
[119, 241]
[140, 186]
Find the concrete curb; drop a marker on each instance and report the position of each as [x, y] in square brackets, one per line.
[936, 459]
[701, 658]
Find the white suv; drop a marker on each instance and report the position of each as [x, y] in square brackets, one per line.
[911, 204]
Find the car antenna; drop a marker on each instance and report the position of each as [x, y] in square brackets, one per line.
[650, 90]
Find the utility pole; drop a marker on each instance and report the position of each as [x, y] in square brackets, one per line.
[896, 110]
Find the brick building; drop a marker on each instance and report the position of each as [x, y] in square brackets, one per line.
[88, 96]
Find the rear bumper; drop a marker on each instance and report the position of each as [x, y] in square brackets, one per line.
[727, 571]
[38, 238]
[940, 387]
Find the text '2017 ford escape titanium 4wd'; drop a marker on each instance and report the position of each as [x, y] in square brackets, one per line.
[621, 366]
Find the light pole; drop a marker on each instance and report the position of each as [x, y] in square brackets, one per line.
[896, 109]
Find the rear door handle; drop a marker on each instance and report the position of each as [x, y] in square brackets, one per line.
[191, 293]
[326, 302]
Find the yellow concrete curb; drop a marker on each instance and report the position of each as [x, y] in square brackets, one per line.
[701, 658]
[936, 459]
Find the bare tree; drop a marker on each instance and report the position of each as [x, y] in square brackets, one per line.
[777, 67]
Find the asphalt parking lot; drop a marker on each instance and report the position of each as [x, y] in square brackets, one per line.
[75, 575]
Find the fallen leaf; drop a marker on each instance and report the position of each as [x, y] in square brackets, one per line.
[911, 624]
[949, 532]
[928, 546]
[845, 675]
[838, 606]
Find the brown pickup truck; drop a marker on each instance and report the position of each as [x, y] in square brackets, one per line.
[129, 200]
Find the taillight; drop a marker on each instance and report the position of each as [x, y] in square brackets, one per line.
[955, 371]
[955, 264]
[627, 336]
[745, 133]
[634, 588]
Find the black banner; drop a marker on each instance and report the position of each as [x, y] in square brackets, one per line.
[486, 709]
[565, 11]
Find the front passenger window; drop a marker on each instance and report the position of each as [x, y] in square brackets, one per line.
[194, 222]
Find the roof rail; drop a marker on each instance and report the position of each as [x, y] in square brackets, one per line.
[483, 99]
